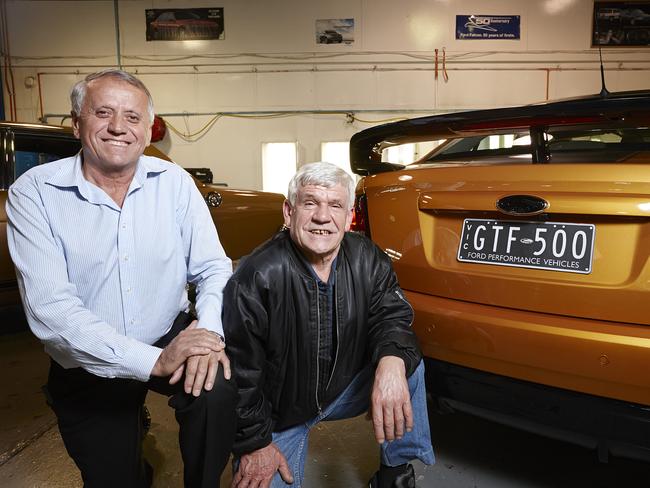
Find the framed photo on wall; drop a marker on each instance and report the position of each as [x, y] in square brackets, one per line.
[183, 24]
[621, 24]
[334, 31]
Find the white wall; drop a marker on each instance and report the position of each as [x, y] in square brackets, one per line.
[269, 61]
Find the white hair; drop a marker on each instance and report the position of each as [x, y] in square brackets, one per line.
[78, 93]
[320, 174]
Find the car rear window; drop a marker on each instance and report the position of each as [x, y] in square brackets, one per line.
[561, 144]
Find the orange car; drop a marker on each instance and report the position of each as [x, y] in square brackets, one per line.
[523, 241]
[243, 218]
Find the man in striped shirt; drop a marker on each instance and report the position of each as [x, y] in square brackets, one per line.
[104, 243]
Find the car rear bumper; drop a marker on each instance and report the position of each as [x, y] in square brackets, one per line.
[600, 358]
[609, 426]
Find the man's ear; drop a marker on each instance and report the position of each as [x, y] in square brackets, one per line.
[348, 219]
[75, 124]
[286, 212]
[149, 134]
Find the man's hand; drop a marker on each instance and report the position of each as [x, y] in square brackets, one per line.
[190, 342]
[256, 469]
[392, 414]
[200, 372]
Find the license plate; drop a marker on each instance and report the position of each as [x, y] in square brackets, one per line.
[555, 246]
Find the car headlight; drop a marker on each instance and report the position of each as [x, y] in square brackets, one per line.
[213, 199]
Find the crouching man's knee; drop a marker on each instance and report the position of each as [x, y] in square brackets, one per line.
[223, 395]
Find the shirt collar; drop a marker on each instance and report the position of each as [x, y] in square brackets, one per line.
[332, 276]
[71, 176]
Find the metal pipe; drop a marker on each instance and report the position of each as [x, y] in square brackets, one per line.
[276, 112]
[376, 66]
[40, 95]
[548, 82]
[116, 10]
[373, 68]
[310, 55]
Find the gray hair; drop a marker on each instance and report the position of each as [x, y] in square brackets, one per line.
[321, 174]
[78, 93]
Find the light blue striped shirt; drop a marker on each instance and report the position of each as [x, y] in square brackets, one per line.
[101, 283]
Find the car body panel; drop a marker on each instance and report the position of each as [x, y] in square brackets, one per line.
[607, 303]
[584, 332]
[600, 358]
[616, 284]
[244, 218]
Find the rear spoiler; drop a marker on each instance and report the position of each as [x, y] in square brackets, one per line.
[366, 146]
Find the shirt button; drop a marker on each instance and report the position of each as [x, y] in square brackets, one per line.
[126, 257]
[132, 321]
[123, 226]
[128, 290]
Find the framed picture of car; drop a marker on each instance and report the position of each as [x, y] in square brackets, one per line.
[621, 24]
[182, 24]
[334, 31]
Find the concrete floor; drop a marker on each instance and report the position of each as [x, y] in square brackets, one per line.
[470, 452]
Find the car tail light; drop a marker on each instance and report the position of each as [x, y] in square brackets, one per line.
[360, 215]
[158, 129]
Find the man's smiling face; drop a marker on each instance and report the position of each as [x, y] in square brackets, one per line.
[114, 125]
[318, 221]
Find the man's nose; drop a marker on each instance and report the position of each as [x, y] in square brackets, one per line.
[322, 213]
[116, 124]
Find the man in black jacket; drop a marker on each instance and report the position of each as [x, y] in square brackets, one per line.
[318, 329]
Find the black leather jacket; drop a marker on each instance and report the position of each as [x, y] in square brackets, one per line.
[271, 325]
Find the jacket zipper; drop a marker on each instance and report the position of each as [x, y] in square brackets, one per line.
[336, 322]
[317, 345]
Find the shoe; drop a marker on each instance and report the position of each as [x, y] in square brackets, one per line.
[406, 479]
[374, 481]
[403, 480]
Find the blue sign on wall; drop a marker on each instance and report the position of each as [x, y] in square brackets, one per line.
[488, 27]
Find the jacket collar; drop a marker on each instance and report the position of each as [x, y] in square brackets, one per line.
[301, 261]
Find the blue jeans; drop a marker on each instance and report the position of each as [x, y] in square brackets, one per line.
[352, 402]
